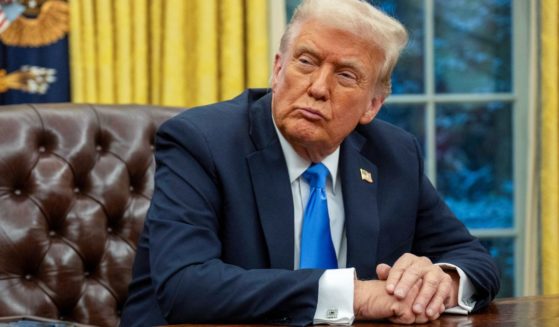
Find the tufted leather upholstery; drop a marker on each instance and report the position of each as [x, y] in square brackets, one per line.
[75, 185]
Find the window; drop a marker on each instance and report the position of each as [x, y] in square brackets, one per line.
[454, 88]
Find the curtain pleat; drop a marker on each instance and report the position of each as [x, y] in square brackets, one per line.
[258, 73]
[77, 75]
[550, 146]
[156, 9]
[140, 43]
[88, 51]
[231, 48]
[104, 23]
[174, 52]
[167, 52]
[124, 54]
[206, 61]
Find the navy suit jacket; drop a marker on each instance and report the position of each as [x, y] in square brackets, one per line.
[217, 244]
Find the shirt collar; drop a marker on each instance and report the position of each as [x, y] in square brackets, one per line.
[296, 165]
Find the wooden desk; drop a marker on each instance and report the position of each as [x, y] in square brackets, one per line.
[517, 312]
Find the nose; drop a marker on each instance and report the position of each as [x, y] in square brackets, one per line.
[319, 87]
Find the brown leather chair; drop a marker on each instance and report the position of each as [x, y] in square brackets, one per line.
[75, 185]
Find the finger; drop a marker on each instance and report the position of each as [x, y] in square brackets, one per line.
[414, 272]
[409, 277]
[382, 271]
[433, 280]
[440, 297]
[402, 312]
[397, 271]
[421, 319]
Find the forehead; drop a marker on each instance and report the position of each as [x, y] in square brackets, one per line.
[327, 41]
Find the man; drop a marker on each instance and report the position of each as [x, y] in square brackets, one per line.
[226, 237]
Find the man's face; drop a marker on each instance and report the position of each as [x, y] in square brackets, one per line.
[323, 86]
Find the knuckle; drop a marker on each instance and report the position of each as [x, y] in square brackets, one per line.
[437, 301]
[413, 271]
[431, 283]
[425, 260]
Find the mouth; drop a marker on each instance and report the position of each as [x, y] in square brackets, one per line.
[311, 113]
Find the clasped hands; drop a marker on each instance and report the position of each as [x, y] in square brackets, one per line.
[413, 290]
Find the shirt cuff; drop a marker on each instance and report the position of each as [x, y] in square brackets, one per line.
[335, 297]
[466, 291]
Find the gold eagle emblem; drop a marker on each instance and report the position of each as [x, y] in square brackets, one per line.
[29, 79]
[50, 22]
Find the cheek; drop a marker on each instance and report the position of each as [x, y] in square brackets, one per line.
[344, 122]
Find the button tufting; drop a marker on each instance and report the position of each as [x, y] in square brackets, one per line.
[99, 148]
[109, 229]
[28, 277]
[42, 149]
[52, 233]
[76, 190]
[131, 188]
[17, 192]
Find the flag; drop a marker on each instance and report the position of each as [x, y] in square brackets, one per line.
[34, 63]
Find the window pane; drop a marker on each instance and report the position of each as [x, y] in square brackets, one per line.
[474, 162]
[502, 251]
[473, 46]
[410, 117]
[408, 77]
[290, 6]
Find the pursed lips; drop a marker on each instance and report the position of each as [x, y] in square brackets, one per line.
[311, 113]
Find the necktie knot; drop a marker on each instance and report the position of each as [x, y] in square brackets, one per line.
[316, 175]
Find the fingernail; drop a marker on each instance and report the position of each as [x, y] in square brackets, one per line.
[417, 308]
[429, 312]
[399, 292]
[390, 287]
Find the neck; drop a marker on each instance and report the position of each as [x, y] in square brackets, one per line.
[312, 154]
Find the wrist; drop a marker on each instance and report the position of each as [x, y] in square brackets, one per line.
[453, 296]
[367, 303]
[358, 299]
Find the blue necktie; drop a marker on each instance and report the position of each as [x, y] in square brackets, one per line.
[317, 249]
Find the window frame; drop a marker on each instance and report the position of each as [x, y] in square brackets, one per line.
[523, 133]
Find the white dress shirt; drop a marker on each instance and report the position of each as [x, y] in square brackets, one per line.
[335, 289]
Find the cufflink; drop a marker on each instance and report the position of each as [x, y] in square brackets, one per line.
[332, 313]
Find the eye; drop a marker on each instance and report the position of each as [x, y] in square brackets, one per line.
[347, 77]
[305, 60]
[305, 64]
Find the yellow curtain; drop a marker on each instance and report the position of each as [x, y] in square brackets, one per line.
[167, 52]
[550, 145]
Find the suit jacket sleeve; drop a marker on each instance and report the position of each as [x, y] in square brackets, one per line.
[443, 238]
[191, 282]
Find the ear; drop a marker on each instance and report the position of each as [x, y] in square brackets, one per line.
[277, 69]
[372, 110]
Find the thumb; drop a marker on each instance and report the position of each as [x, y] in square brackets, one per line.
[382, 271]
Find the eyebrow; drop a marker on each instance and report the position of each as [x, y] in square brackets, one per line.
[345, 63]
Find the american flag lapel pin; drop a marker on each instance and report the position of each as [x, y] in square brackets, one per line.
[366, 176]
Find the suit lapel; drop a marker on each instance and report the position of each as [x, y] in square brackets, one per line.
[360, 206]
[272, 190]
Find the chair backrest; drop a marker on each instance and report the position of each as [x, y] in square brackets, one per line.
[75, 185]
